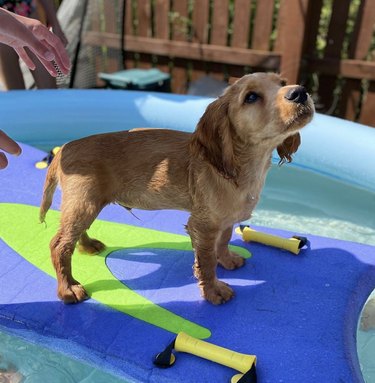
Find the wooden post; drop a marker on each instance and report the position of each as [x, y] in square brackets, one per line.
[290, 36]
[112, 60]
[219, 34]
[200, 24]
[335, 39]
[241, 33]
[359, 48]
[144, 30]
[179, 29]
[129, 31]
[161, 20]
[263, 25]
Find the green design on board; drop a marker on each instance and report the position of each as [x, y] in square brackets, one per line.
[20, 229]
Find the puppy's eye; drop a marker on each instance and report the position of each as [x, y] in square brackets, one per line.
[283, 82]
[251, 98]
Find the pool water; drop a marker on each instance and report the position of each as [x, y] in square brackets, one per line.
[298, 200]
[24, 362]
[293, 199]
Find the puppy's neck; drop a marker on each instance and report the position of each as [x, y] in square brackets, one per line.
[253, 162]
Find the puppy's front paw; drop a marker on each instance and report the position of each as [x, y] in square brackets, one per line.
[72, 294]
[231, 261]
[217, 293]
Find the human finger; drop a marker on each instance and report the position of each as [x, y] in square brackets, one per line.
[62, 61]
[49, 66]
[8, 145]
[51, 41]
[25, 57]
[3, 161]
[44, 55]
[62, 66]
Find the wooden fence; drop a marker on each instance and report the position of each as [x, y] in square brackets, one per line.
[326, 44]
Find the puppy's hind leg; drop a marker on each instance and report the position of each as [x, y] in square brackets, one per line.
[204, 236]
[226, 258]
[77, 215]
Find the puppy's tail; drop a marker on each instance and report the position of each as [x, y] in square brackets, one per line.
[49, 187]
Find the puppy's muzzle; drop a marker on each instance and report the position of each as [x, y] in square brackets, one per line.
[297, 95]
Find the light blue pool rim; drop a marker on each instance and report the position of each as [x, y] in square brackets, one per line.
[334, 147]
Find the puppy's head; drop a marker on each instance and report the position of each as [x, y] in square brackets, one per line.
[258, 109]
[263, 108]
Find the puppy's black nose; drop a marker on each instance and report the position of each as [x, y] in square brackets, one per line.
[297, 95]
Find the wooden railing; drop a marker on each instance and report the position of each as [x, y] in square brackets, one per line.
[224, 38]
[346, 67]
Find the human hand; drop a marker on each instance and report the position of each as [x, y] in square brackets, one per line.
[21, 32]
[8, 146]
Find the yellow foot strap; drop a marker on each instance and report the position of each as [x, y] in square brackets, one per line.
[293, 244]
[184, 343]
[45, 162]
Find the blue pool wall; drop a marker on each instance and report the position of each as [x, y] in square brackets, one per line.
[338, 148]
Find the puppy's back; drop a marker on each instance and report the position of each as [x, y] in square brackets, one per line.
[134, 149]
[128, 165]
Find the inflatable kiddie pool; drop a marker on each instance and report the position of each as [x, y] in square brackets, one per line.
[297, 314]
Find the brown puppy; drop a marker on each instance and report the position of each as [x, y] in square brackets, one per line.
[216, 173]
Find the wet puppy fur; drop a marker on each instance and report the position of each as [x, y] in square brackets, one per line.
[216, 173]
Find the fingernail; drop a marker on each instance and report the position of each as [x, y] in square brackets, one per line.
[49, 56]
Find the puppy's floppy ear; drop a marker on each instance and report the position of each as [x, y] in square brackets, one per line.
[214, 138]
[288, 147]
